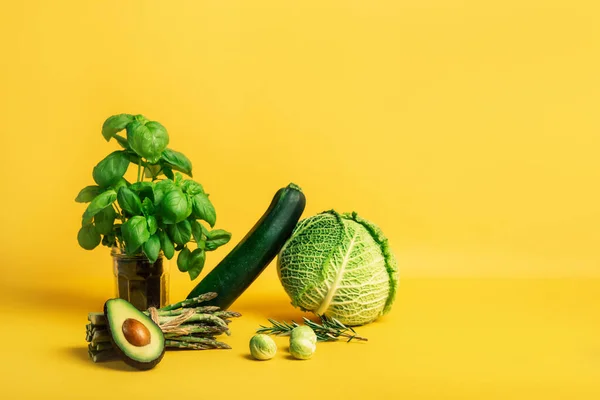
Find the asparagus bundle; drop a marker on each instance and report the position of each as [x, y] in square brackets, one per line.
[185, 325]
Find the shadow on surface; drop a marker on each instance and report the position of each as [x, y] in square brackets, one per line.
[81, 354]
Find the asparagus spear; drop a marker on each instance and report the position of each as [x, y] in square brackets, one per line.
[98, 319]
[100, 346]
[198, 332]
[179, 311]
[103, 355]
[174, 344]
[191, 302]
[194, 339]
[199, 318]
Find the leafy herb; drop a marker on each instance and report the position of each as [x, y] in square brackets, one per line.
[183, 260]
[88, 193]
[88, 237]
[196, 263]
[329, 330]
[153, 215]
[115, 124]
[148, 139]
[177, 161]
[203, 209]
[111, 169]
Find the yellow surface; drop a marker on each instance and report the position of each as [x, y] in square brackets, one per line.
[468, 130]
[445, 339]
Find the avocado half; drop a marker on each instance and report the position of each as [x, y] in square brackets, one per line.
[137, 339]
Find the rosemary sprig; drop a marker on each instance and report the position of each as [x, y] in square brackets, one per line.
[329, 330]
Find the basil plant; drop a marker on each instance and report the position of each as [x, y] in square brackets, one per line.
[161, 210]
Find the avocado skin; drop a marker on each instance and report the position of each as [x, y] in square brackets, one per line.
[155, 330]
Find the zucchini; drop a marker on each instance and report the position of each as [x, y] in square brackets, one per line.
[232, 276]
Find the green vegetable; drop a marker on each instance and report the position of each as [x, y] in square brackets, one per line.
[196, 263]
[232, 276]
[166, 244]
[152, 248]
[147, 139]
[88, 193]
[129, 201]
[303, 342]
[339, 265]
[104, 220]
[138, 340]
[115, 124]
[135, 233]
[183, 259]
[329, 330]
[262, 347]
[110, 170]
[185, 325]
[174, 207]
[177, 161]
[203, 209]
[303, 332]
[99, 203]
[180, 233]
[88, 237]
[148, 216]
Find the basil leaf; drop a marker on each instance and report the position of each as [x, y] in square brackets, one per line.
[129, 201]
[148, 140]
[152, 170]
[174, 207]
[99, 203]
[152, 248]
[203, 209]
[217, 238]
[115, 124]
[196, 263]
[191, 187]
[166, 245]
[180, 233]
[204, 230]
[88, 238]
[144, 190]
[196, 230]
[122, 142]
[111, 169]
[109, 240]
[178, 179]
[161, 188]
[88, 193]
[121, 183]
[183, 259]
[147, 207]
[168, 172]
[104, 220]
[87, 220]
[177, 161]
[135, 233]
[152, 224]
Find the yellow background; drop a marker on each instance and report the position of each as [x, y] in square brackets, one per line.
[468, 130]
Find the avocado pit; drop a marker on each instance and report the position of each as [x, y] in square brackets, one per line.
[136, 332]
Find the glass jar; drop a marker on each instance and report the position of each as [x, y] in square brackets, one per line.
[137, 280]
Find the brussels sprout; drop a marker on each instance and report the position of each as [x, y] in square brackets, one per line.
[303, 332]
[303, 342]
[262, 347]
[340, 266]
